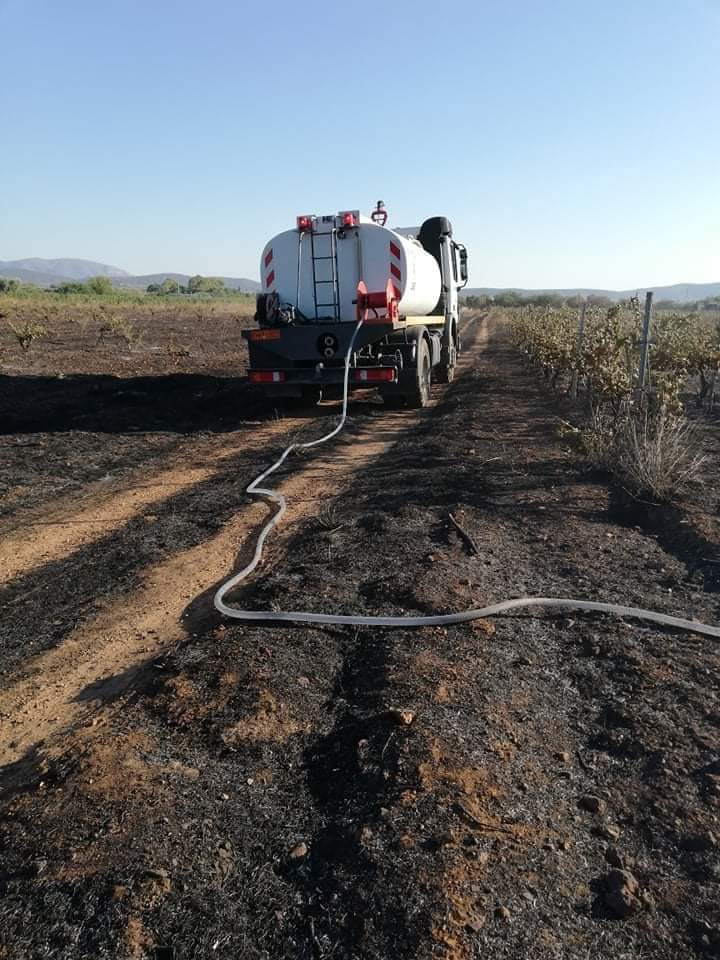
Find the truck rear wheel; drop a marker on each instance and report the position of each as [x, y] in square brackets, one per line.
[420, 394]
[446, 369]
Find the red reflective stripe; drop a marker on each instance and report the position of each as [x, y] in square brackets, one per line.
[395, 271]
[397, 292]
[268, 257]
[271, 334]
[266, 376]
[394, 250]
[270, 278]
[384, 373]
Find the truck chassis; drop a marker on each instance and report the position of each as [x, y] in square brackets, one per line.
[401, 358]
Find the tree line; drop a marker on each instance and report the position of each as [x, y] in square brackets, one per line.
[98, 286]
[103, 286]
[213, 286]
[510, 298]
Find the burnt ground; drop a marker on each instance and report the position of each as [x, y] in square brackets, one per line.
[539, 786]
[83, 404]
[94, 336]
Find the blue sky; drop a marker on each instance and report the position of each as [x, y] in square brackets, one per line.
[571, 143]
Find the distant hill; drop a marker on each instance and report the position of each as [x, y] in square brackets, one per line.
[65, 269]
[679, 292]
[35, 277]
[48, 273]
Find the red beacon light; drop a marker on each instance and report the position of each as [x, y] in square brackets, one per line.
[379, 214]
[349, 219]
[304, 223]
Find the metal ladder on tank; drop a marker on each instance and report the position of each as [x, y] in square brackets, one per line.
[320, 295]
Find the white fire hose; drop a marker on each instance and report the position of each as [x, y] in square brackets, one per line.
[618, 610]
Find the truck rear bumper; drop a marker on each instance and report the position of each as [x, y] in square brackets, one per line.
[292, 360]
[284, 360]
[288, 377]
[285, 347]
[289, 381]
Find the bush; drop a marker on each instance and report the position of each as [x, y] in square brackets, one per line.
[653, 454]
[210, 285]
[99, 285]
[121, 327]
[26, 331]
[508, 298]
[598, 440]
[657, 455]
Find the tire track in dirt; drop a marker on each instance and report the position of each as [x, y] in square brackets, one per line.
[103, 656]
[43, 535]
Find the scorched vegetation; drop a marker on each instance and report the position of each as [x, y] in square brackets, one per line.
[637, 430]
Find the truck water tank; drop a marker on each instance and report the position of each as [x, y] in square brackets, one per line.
[319, 272]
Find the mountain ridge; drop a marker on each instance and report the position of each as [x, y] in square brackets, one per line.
[51, 272]
[66, 268]
[48, 272]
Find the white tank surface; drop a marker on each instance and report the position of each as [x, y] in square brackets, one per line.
[316, 267]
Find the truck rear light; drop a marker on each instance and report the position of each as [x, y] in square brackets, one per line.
[304, 223]
[348, 219]
[272, 334]
[266, 376]
[373, 375]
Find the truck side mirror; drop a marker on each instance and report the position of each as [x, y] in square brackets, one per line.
[463, 263]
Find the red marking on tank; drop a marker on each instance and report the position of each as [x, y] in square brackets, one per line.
[395, 271]
[269, 279]
[394, 250]
[397, 292]
[268, 257]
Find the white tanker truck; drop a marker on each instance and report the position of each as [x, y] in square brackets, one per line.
[320, 278]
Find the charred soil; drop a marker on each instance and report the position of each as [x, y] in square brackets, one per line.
[539, 786]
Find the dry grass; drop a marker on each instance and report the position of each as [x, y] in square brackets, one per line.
[653, 454]
[657, 455]
[598, 440]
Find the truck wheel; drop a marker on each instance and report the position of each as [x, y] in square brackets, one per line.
[446, 370]
[420, 394]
